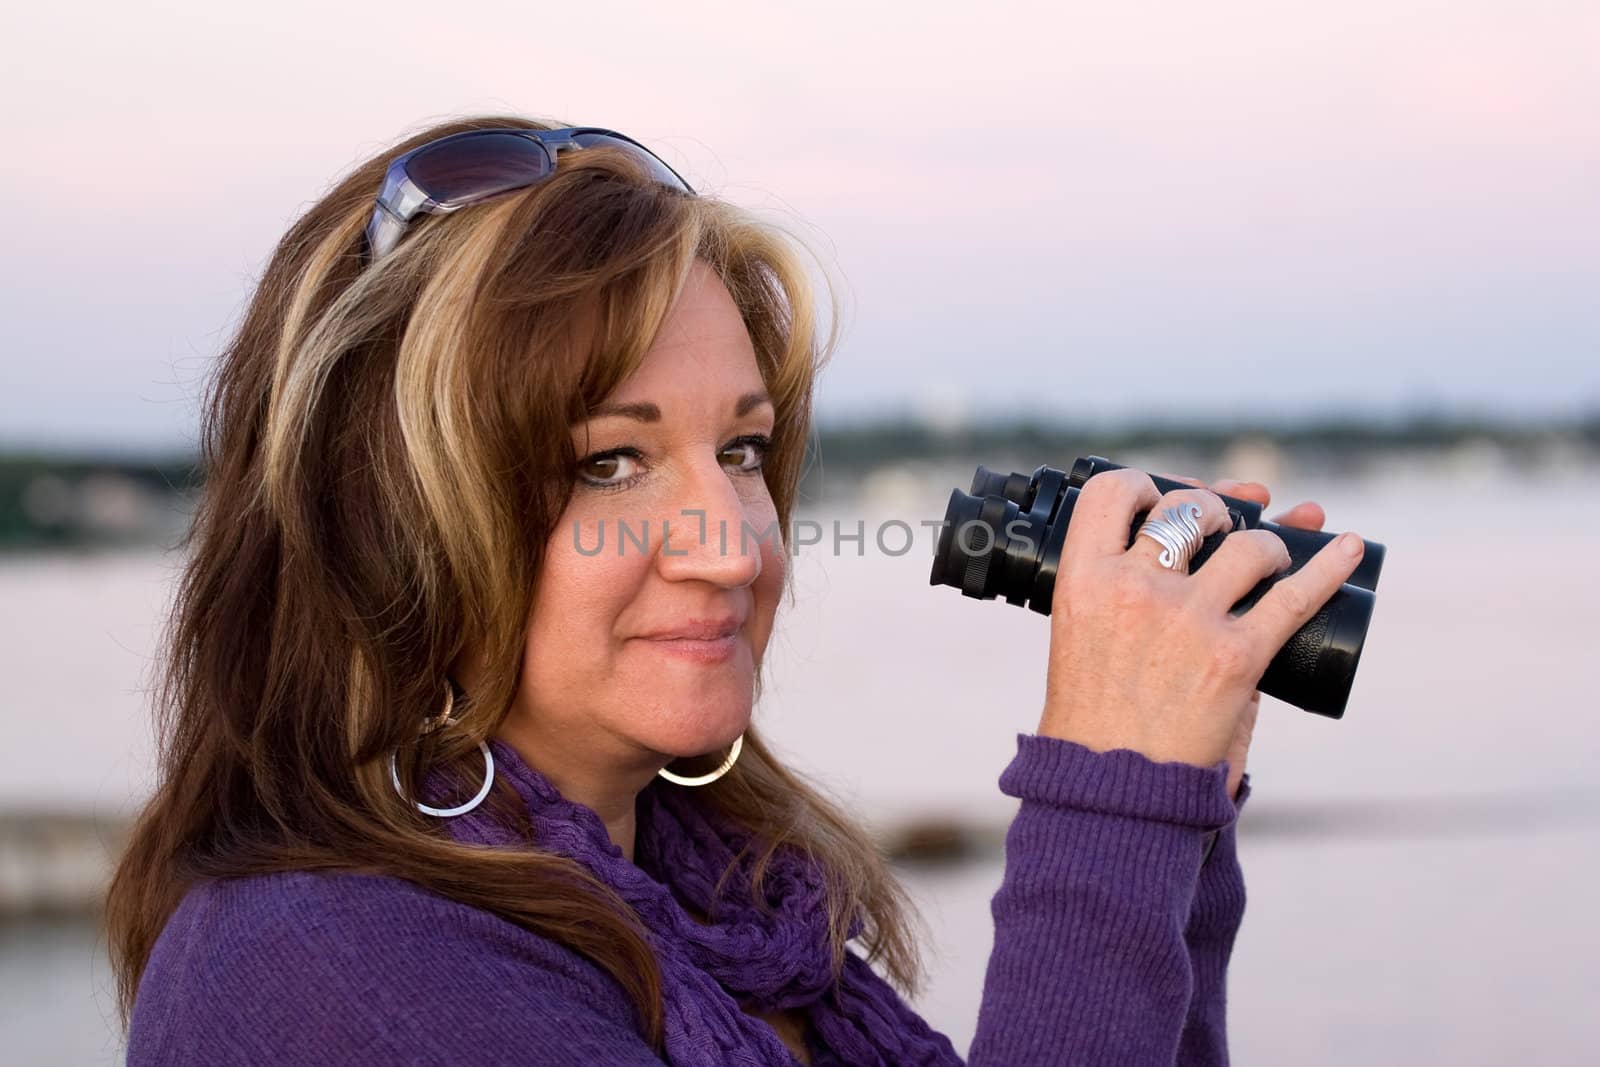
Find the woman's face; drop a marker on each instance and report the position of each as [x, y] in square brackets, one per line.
[618, 669]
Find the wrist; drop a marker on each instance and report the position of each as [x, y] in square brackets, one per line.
[1113, 736]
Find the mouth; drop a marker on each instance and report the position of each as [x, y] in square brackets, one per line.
[696, 650]
[698, 630]
[698, 640]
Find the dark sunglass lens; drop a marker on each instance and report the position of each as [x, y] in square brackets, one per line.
[479, 165]
[656, 168]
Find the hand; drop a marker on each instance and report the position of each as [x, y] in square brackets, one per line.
[1114, 605]
[1308, 516]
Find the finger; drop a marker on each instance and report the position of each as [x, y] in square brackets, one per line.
[1239, 490]
[1307, 516]
[1209, 513]
[1294, 599]
[1239, 564]
[1103, 511]
[1254, 492]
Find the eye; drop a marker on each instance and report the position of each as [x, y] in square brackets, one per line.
[754, 448]
[600, 470]
[619, 468]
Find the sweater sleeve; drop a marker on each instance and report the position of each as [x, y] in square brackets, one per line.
[1214, 920]
[1090, 963]
[298, 969]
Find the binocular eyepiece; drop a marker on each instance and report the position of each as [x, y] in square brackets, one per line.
[1004, 538]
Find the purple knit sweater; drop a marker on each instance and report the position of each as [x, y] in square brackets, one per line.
[1112, 939]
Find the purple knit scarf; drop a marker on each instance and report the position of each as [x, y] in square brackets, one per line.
[775, 961]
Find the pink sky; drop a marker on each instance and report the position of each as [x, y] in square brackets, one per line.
[1265, 206]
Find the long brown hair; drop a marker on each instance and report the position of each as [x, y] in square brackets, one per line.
[386, 451]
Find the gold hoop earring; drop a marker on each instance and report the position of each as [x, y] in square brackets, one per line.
[705, 779]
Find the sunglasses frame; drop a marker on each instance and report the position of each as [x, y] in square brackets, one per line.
[401, 199]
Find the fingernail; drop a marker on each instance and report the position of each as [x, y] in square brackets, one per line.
[1350, 544]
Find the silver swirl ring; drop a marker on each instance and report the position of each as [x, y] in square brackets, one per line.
[1178, 533]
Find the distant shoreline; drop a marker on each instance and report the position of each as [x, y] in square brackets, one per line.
[53, 498]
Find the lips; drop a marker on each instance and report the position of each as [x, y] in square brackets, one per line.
[697, 630]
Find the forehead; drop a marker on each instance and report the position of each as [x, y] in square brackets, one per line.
[702, 354]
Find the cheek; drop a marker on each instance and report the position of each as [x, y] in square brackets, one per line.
[768, 588]
[769, 592]
[578, 599]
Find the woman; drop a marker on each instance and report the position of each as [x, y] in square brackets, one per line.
[458, 764]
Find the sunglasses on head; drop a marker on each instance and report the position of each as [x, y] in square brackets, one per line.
[465, 168]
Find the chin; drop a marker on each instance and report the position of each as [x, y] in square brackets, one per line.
[701, 723]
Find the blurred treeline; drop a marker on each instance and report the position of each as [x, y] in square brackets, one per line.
[60, 499]
[67, 500]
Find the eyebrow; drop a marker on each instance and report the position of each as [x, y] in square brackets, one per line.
[644, 411]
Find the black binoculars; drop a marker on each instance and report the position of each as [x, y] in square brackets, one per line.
[1004, 538]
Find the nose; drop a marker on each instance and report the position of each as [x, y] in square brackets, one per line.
[708, 536]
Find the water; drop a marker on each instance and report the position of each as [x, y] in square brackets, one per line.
[1419, 873]
[57, 998]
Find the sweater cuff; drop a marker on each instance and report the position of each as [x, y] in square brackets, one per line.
[1122, 782]
[1238, 804]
